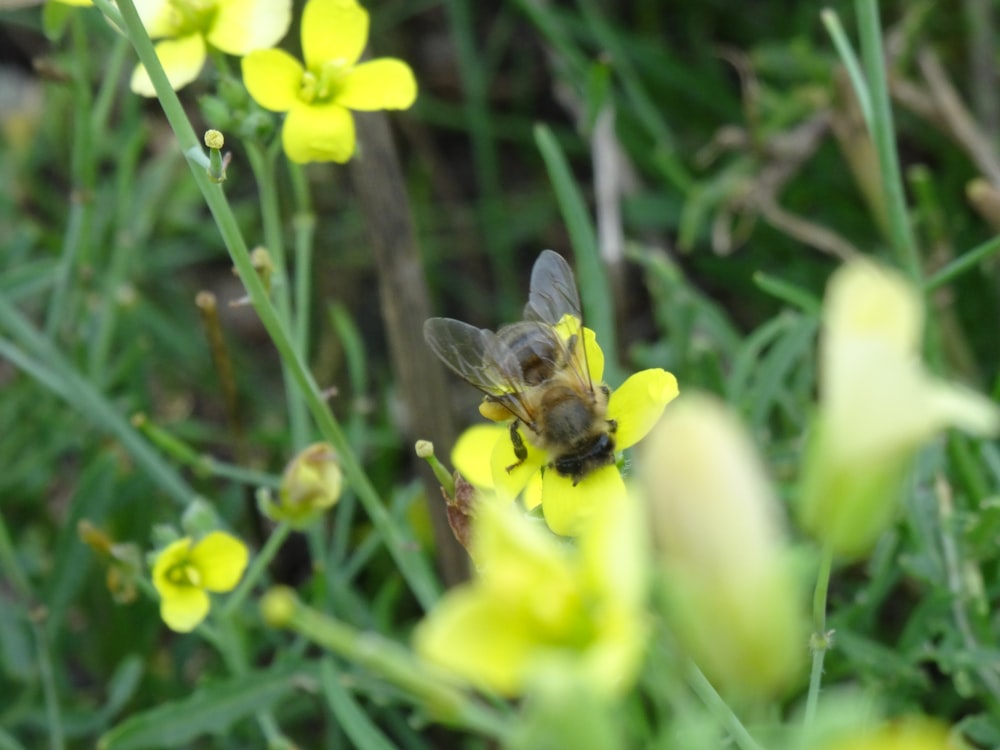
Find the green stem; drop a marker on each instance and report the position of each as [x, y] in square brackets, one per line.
[961, 264]
[53, 716]
[883, 134]
[262, 164]
[83, 173]
[821, 640]
[719, 708]
[304, 226]
[413, 566]
[386, 658]
[257, 567]
[851, 63]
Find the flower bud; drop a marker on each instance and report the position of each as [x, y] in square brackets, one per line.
[310, 485]
[878, 405]
[732, 593]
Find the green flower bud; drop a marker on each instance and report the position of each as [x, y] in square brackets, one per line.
[311, 484]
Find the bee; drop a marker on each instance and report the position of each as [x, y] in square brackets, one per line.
[535, 372]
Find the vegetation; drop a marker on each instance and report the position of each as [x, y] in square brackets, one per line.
[215, 531]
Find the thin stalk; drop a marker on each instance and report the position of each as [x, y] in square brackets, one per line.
[53, 715]
[851, 63]
[821, 640]
[304, 226]
[961, 264]
[257, 567]
[411, 564]
[440, 697]
[719, 708]
[262, 163]
[873, 55]
[83, 172]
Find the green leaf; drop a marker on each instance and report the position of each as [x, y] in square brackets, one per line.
[211, 709]
[55, 17]
[350, 716]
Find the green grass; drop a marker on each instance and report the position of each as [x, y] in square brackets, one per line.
[108, 232]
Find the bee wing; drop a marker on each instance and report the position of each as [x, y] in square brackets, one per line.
[480, 358]
[553, 290]
[554, 295]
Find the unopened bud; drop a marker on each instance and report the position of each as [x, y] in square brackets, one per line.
[214, 139]
[311, 484]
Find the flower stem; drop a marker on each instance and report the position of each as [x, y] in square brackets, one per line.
[260, 562]
[881, 127]
[412, 564]
[440, 697]
[821, 640]
[719, 708]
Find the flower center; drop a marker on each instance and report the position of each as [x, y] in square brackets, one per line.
[184, 574]
[191, 16]
[323, 85]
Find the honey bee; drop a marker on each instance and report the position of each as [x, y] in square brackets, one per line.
[536, 373]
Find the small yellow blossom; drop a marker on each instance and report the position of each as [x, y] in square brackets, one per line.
[735, 599]
[483, 452]
[185, 570]
[538, 605]
[319, 96]
[187, 27]
[878, 405]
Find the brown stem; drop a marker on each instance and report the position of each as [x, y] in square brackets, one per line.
[381, 191]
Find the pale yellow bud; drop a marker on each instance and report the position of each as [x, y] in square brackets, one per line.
[214, 139]
[878, 405]
[735, 599]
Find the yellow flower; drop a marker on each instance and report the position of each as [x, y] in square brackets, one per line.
[538, 605]
[735, 599]
[185, 570]
[483, 452]
[318, 97]
[235, 27]
[911, 733]
[878, 405]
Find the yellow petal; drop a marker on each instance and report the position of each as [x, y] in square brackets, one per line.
[184, 610]
[157, 16]
[533, 491]
[318, 133]
[175, 553]
[510, 483]
[242, 26]
[220, 559]
[182, 60]
[567, 507]
[473, 450]
[380, 84]
[273, 78]
[638, 404]
[333, 30]
[479, 638]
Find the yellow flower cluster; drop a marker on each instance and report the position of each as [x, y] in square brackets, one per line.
[318, 96]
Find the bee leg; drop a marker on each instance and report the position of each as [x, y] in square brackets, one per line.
[520, 451]
[612, 425]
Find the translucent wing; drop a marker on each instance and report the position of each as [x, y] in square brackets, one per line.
[553, 290]
[553, 296]
[481, 358]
